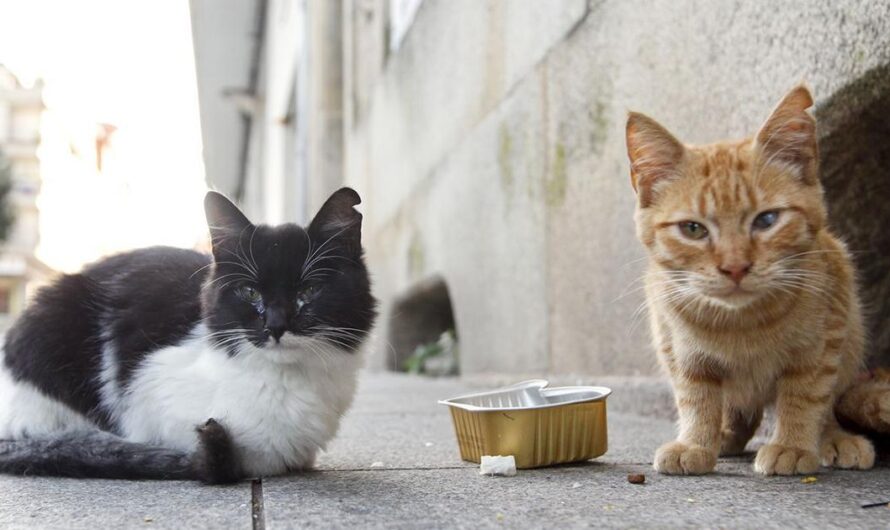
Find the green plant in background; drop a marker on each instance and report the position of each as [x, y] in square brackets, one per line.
[435, 358]
[6, 217]
[414, 364]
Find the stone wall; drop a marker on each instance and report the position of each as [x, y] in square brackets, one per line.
[489, 150]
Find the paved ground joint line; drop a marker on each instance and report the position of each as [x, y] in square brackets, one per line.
[257, 510]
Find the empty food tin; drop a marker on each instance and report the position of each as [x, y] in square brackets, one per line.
[539, 426]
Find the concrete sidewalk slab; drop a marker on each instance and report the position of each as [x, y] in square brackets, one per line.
[34, 502]
[594, 494]
[396, 418]
[423, 483]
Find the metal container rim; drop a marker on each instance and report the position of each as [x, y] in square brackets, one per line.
[541, 384]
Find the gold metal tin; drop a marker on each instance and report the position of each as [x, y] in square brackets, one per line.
[539, 426]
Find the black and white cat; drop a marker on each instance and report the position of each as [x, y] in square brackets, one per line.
[164, 363]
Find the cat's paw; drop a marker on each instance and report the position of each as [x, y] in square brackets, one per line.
[677, 458]
[848, 451]
[215, 461]
[775, 459]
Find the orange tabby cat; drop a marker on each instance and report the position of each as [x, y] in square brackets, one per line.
[752, 298]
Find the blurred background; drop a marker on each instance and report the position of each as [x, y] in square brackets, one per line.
[486, 138]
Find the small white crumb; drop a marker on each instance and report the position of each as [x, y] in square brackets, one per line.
[376, 464]
[498, 466]
[576, 485]
[428, 444]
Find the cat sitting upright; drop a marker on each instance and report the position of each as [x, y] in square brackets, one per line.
[164, 363]
[752, 298]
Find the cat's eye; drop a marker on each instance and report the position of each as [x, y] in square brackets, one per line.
[765, 220]
[249, 294]
[693, 230]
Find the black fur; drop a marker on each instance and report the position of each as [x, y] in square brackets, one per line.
[55, 345]
[302, 281]
[104, 455]
[93, 455]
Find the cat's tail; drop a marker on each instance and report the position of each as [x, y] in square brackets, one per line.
[866, 405]
[102, 455]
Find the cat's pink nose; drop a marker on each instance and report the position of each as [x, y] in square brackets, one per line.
[736, 271]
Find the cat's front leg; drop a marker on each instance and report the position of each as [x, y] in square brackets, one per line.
[804, 399]
[216, 459]
[699, 398]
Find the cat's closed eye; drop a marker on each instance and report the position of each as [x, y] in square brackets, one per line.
[306, 295]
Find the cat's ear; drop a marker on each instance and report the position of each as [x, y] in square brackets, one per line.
[654, 153]
[225, 220]
[788, 138]
[339, 221]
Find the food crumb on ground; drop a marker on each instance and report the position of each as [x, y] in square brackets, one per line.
[636, 478]
[498, 466]
[377, 464]
[808, 480]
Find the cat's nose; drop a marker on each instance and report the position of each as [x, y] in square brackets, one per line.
[276, 323]
[736, 271]
[276, 332]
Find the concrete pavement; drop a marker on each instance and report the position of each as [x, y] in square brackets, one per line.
[395, 464]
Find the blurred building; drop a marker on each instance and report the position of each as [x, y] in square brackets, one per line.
[21, 109]
[486, 138]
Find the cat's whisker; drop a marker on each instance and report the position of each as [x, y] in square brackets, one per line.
[237, 275]
[320, 273]
[314, 349]
[682, 280]
[341, 231]
[249, 272]
[240, 248]
[211, 264]
[250, 249]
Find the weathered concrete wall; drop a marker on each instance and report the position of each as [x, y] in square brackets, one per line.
[491, 151]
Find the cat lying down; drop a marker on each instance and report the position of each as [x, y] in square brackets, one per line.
[164, 363]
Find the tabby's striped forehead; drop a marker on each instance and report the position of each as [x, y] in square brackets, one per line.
[723, 180]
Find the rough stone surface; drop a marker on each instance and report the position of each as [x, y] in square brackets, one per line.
[454, 66]
[381, 472]
[519, 196]
[88, 504]
[421, 486]
[591, 495]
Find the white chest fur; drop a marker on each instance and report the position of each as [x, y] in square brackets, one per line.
[280, 405]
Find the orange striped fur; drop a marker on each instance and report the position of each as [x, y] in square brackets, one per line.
[752, 299]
